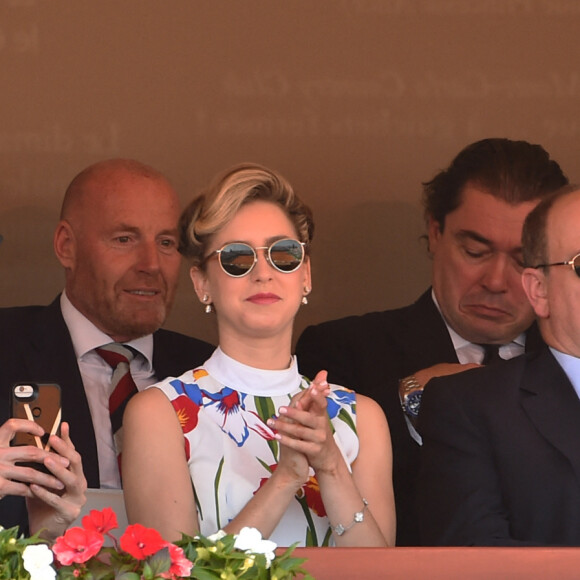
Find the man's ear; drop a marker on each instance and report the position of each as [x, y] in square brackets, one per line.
[535, 286]
[65, 245]
[201, 284]
[434, 232]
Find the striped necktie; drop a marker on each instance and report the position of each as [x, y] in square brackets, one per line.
[118, 357]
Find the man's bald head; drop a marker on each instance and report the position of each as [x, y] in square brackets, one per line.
[103, 174]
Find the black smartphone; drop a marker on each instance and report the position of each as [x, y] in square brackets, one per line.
[39, 402]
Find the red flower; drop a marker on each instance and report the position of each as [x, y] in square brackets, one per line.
[230, 401]
[141, 542]
[77, 545]
[187, 412]
[180, 565]
[313, 498]
[101, 521]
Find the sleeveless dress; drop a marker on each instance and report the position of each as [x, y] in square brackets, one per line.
[223, 407]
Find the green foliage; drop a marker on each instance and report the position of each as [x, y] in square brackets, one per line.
[214, 557]
[219, 559]
[11, 548]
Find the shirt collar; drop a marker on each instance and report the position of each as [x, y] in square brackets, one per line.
[571, 366]
[86, 336]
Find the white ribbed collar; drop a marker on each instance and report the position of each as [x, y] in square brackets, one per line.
[251, 380]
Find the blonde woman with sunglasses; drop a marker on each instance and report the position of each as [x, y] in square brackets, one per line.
[245, 440]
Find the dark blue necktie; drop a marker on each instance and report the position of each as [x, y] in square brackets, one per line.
[490, 354]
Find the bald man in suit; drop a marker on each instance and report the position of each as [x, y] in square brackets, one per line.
[117, 242]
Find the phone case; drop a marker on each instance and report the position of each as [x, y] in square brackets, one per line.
[37, 402]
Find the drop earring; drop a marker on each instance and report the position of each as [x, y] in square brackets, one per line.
[208, 307]
[304, 298]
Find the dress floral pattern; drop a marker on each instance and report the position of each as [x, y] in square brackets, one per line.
[223, 407]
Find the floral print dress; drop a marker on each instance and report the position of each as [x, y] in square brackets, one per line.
[223, 407]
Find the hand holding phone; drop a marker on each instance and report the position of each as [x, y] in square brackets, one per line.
[41, 403]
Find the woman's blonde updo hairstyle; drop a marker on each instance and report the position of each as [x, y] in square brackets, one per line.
[215, 207]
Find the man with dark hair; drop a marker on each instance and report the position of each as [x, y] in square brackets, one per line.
[500, 461]
[474, 213]
[117, 242]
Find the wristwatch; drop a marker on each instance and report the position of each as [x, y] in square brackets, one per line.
[410, 392]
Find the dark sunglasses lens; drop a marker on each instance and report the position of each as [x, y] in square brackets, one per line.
[237, 259]
[576, 265]
[287, 255]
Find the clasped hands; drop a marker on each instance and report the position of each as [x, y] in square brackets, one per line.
[304, 432]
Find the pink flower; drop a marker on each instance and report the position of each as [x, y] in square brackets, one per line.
[77, 545]
[180, 565]
[141, 542]
[101, 521]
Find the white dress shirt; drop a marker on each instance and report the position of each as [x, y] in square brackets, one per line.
[96, 375]
[468, 352]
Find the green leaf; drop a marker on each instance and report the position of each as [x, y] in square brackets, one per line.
[204, 574]
[266, 410]
[216, 485]
[264, 465]
[197, 502]
[127, 576]
[344, 416]
[159, 562]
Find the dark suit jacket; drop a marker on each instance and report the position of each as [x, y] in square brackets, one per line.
[370, 354]
[501, 456]
[35, 345]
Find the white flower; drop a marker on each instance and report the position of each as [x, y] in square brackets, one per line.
[250, 541]
[217, 536]
[37, 559]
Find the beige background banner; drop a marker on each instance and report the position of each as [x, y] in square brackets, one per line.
[356, 102]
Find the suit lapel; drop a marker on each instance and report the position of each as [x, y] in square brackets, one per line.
[551, 403]
[534, 340]
[428, 333]
[52, 359]
[162, 357]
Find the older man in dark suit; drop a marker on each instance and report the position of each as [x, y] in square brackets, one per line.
[117, 241]
[501, 460]
[474, 211]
